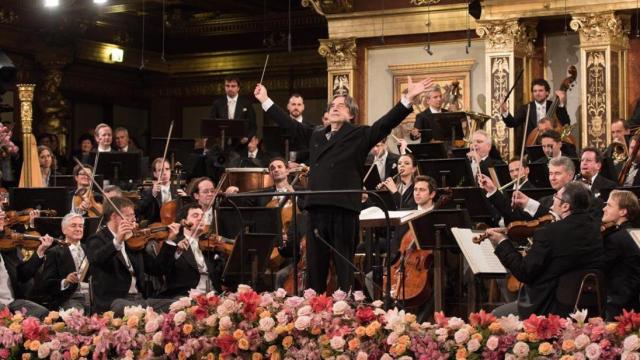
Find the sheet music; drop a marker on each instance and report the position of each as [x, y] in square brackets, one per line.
[635, 235]
[480, 257]
[375, 213]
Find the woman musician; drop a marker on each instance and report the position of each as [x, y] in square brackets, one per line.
[401, 185]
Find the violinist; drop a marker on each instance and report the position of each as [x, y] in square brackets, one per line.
[14, 271]
[104, 138]
[402, 191]
[202, 190]
[479, 153]
[185, 265]
[537, 109]
[572, 243]
[622, 255]
[63, 269]
[117, 272]
[590, 166]
[632, 178]
[82, 199]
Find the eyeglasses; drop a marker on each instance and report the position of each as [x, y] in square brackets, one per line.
[559, 198]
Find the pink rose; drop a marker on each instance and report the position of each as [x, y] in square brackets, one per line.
[593, 351]
[266, 324]
[362, 356]
[631, 343]
[520, 349]
[270, 336]
[302, 323]
[158, 338]
[630, 356]
[305, 310]
[309, 293]
[337, 343]
[455, 323]
[493, 342]
[152, 326]
[358, 296]
[473, 345]
[180, 317]
[225, 323]
[461, 336]
[43, 351]
[582, 340]
[339, 295]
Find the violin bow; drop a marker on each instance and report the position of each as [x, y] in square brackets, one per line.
[93, 181]
[166, 148]
[93, 173]
[210, 204]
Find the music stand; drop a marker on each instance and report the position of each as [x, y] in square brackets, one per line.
[69, 181]
[534, 193]
[502, 172]
[222, 128]
[534, 153]
[251, 248]
[450, 124]
[475, 201]
[179, 149]
[539, 175]
[54, 198]
[264, 220]
[448, 172]
[431, 150]
[53, 226]
[459, 153]
[119, 167]
[372, 180]
[433, 231]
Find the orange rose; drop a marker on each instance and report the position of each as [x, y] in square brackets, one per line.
[522, 337]
[84, 350]
[187, 329]
[461, 353]
[361, 331]
[287, 341]
[545, 348]
[132, 322]
[495, 327]
[58, 326]
[256, 356]
[238, 334]
[243, 344]
[34, 345]
[26, 356]
[169, 348]
[74, 352]
[354, 344]
[568, 345]
[271, 349]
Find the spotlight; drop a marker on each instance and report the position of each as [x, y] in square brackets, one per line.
[475, 9]
[99, 2]
[51, 3]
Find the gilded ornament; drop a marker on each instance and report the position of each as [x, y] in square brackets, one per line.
[324, 7]
[601, 28]
[511, 35]
[340, 53]
[424, 2]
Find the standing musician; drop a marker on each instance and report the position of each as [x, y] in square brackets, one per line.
[337, 156]
[621, 253]
[385, 161]
[116, 271]
[569, 244]
[185, 265]
[537, 109]
[424, 122]
[160, 193]
[299, 151]
[402, 191]
[235, 107]
[62, 274]
[14, 271]
[590, 165]
[479, 153]
[104, 138]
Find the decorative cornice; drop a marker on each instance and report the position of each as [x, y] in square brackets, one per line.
[340, 53]
[432, 67]
[598, 29]
[508, 36]
[324, 7]
[424, 2]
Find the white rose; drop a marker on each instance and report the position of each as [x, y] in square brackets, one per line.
[180, 317]
[461, 336]
[473, 345]
[340, 307]
[305, 310]
[581, 341]
[302, 322]
[358, 296]
[337, 343]
[631, 343]
[520, 349]
[211, 320]
[225, 323]
[281, 293]
[593, 351]
[282, 317]
[242, 288]
[158, 338]
[270, 336]
[43, 351]
[266, 324]
[627, 355]
[455, 323]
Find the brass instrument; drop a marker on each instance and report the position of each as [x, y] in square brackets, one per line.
[476, 121]
[619, 152]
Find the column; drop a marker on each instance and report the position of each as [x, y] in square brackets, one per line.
[508, 47]
[341, 65]
[603, 60]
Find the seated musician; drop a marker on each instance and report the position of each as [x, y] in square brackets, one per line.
[622, 255]
[185, 265]
[478, 154]
[402, 191]
[572, 243]
[551, 145]
[590, 165]
[252, 155]
[81, 201]
[202, 190]
[47, 166]
[386, 162]
[561, 171]
[14, 271]
[123, 141]
[116, 271]
[520, 168]
[162, 191]
[103, 135]
[62, 273]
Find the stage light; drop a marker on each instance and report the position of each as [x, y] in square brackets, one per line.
[99, 2]
[116, 54]
[51, 3]
[475, 9]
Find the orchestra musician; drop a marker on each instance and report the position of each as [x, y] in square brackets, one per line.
[185, 265]
[517, 168]
[104, 138]
[402, 191]
[235, 107]
[45, 157]
[202, 190]
[385, 161]
[299, 152]
[116, 271]
[479, 153]
[537, 109]
[590, 165]
[424, 122]
[62, 271]
[123, 141]
[162, 191]
[572, 243]
[621, 253]
[337, 157]
[551, 145]
[83, 182]
[14, 271]
[632, 178]
[252, 155]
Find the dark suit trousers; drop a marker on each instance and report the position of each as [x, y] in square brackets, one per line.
[338, 227]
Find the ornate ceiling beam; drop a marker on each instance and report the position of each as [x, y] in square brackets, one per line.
[506, 9]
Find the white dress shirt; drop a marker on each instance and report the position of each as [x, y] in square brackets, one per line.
[231, 106]
[380, 162]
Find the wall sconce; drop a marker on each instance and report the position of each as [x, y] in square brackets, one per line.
[116, 55]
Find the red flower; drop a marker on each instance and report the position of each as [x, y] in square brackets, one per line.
[4, 353]
[227, 345]
[5, 313]
[627, 322]
[365, 314]
[251, 300]
[31, 328]
[440, 319]
[482, 319]
[321, 303]
[544, 327]
[200, 313]
[213, 300]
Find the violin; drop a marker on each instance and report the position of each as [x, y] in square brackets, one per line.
[520, 231]
[140, 237]
[214, 242]
[607, 228]
[85, 194]
[28, 241]
[22, 216]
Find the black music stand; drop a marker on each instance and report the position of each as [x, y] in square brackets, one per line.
[534, 153]
[448, 172]
[459, 153]
[534, 193]
[502, 172]
[372, 180]
[475, 201]
[69, 181]
[179, 149]
[539, 175]
[54, 198]
[119, 167]
[433, 231]
[222, 128]
[253, 249]
[53, 226]
[431, 150]
[264, 220]
[450, 124]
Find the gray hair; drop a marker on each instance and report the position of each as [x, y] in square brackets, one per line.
[349, 102]
[67, 219]
[577, 195]
[435, 88]
[565, 162]
[114, 188]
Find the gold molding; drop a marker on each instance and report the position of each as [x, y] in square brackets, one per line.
[501, 9]
[511, 36]
[602, 29]
[323, 7]
[340, 53]
[432, 67]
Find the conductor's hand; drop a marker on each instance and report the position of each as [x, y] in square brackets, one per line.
[519, 199]
[417, 88]
[261, 93]
[485, 183]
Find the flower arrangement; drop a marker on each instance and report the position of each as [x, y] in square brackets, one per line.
[249, 325]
